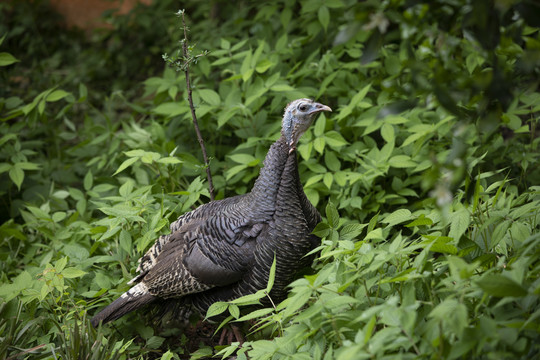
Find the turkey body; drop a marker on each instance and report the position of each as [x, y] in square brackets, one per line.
[224, 249]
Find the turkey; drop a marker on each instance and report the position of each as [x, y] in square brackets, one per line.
[224, 249]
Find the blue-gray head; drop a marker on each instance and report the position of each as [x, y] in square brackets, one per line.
[299, 115]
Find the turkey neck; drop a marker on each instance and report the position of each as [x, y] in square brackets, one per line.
[264, 192]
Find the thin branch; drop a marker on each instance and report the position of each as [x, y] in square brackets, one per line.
[185, 68]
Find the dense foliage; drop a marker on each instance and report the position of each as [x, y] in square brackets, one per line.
[427, 172]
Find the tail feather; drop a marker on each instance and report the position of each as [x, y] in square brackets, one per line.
[131, 300]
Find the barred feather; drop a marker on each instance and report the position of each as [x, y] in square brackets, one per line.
[224, 249]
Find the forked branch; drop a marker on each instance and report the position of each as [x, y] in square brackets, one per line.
[181, 63]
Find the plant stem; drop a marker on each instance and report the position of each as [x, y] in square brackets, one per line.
[193, 115]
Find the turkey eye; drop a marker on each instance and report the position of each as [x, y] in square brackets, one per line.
[303, 108]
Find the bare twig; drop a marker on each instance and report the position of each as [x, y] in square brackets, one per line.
[184, 66]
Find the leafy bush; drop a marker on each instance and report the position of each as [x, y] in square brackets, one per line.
[426, 171]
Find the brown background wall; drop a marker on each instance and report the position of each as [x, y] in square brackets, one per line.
[86, 13]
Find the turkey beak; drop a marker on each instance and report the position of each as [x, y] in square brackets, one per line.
[318, 108]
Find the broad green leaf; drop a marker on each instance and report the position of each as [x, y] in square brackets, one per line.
[171, 109]
[452, 314]
[332, 215]
[501, 286]
[351, 230]
[331, 160]
[335, 139]
[58, 216]
[387, 132]
[421, 220]
[126, 164]
[401, 161]
[5, 167]
[56, 95]
[88, 180]
[234, 170]
[255, 314]
[7, 59]
[234, 310]
[281, 87]
[328, 179]
[72, 272]
[167, 355]
[28, 166]
[321, 230]
[16, 175]
[263, 65]
[242, 158]
[210, 96]
[324, 16]
[225, 44]
[440, 244]
[397, 217]
[170, 160]
[125, 241]
[216, 309]
[459, 223]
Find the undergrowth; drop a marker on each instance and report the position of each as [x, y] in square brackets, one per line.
[427, 173]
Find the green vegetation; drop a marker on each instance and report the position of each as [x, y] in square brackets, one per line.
[427, 173]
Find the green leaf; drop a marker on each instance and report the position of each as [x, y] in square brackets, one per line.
[332, 215]
[460, 221]
[263, 65]
[203, 352]
[255, 314]
[154, 342]
[328, 179]
[421, 220]
[334, 139]
[242, 158]
[5, 167]
[281, 88]
[125, 241]
[88, 180]
[126, 164]
[225, 44]
[83, 92]
[387, 132]
[321, 230]
[7, 59]
[56, 95]
[401, 161]
[452, 314]
[234, 170]
[167, 356]
[72, 272]
[351, 230]
[397, 217]
[271, 276]
[210, 96]
[234, 310]
[331, 160]
[171, 109]
[440, 244]
[296, 302]
[216, 309]
[28, 166]
[169, 160]
[501, 286]
[324, 17]
[17, 175]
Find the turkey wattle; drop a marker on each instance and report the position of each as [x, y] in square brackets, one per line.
[224, 249]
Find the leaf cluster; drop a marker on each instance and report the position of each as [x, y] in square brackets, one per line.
[426, 172]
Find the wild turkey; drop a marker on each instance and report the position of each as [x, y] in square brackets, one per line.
[224, 249]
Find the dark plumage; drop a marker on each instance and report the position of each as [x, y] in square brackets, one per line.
[224, 249]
